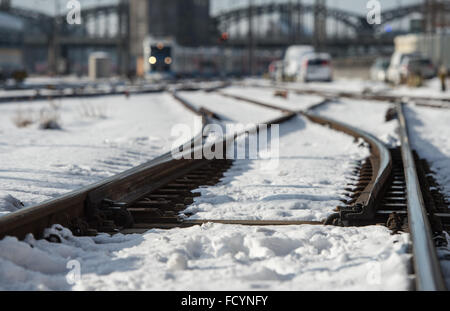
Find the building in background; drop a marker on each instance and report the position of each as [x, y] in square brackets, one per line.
[187, 21]
[11, 43]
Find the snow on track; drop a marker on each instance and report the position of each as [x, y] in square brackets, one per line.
[430, 89]
[365, 115]
[36, 165]
[313, 163]
[338, 85]
[213, 257]
[429, 130]
[266, 95]
[231, 109]
[305, 185]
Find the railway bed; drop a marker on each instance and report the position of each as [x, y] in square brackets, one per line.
[386, 189]
[391, 188]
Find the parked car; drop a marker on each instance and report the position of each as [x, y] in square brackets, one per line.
[378, 71]
[316, 67]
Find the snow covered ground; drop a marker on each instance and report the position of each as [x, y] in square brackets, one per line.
[366, 115]
[338, 85]
[100, 137]
[305, 184]
[431, 88]
[212, 257]
[429, 130]
[231, 110]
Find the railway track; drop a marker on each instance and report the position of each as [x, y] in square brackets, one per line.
[385, 189]
[392, 188]
[148, 196]
[365, 95]
[84, 91]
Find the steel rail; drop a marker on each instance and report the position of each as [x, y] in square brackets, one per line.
[381, 162]
[427, 267]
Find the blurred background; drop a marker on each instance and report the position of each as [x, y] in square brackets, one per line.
[171, 39]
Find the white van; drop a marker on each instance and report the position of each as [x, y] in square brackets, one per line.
[293, 60]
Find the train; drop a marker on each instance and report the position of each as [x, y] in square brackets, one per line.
[164, 58]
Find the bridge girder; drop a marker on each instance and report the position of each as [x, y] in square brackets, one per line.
[349, 18]
[355, 21]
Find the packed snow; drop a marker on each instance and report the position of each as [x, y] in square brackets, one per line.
[305, 183]
[100, 137]
[429, 129]
[211, 257]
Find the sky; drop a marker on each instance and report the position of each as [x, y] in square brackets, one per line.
[218, 5]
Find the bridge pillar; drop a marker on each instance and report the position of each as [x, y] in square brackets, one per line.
[251, 40]
[299, 22]
[123, 51]
[320, 24]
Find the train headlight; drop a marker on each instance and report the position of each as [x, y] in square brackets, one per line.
[152, 60]
[168, 60]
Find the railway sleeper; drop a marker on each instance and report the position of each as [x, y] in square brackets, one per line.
[391, 208]
[162, 206]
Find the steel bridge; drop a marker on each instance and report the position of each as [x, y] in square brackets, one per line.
[342, 28]
[107, 26]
